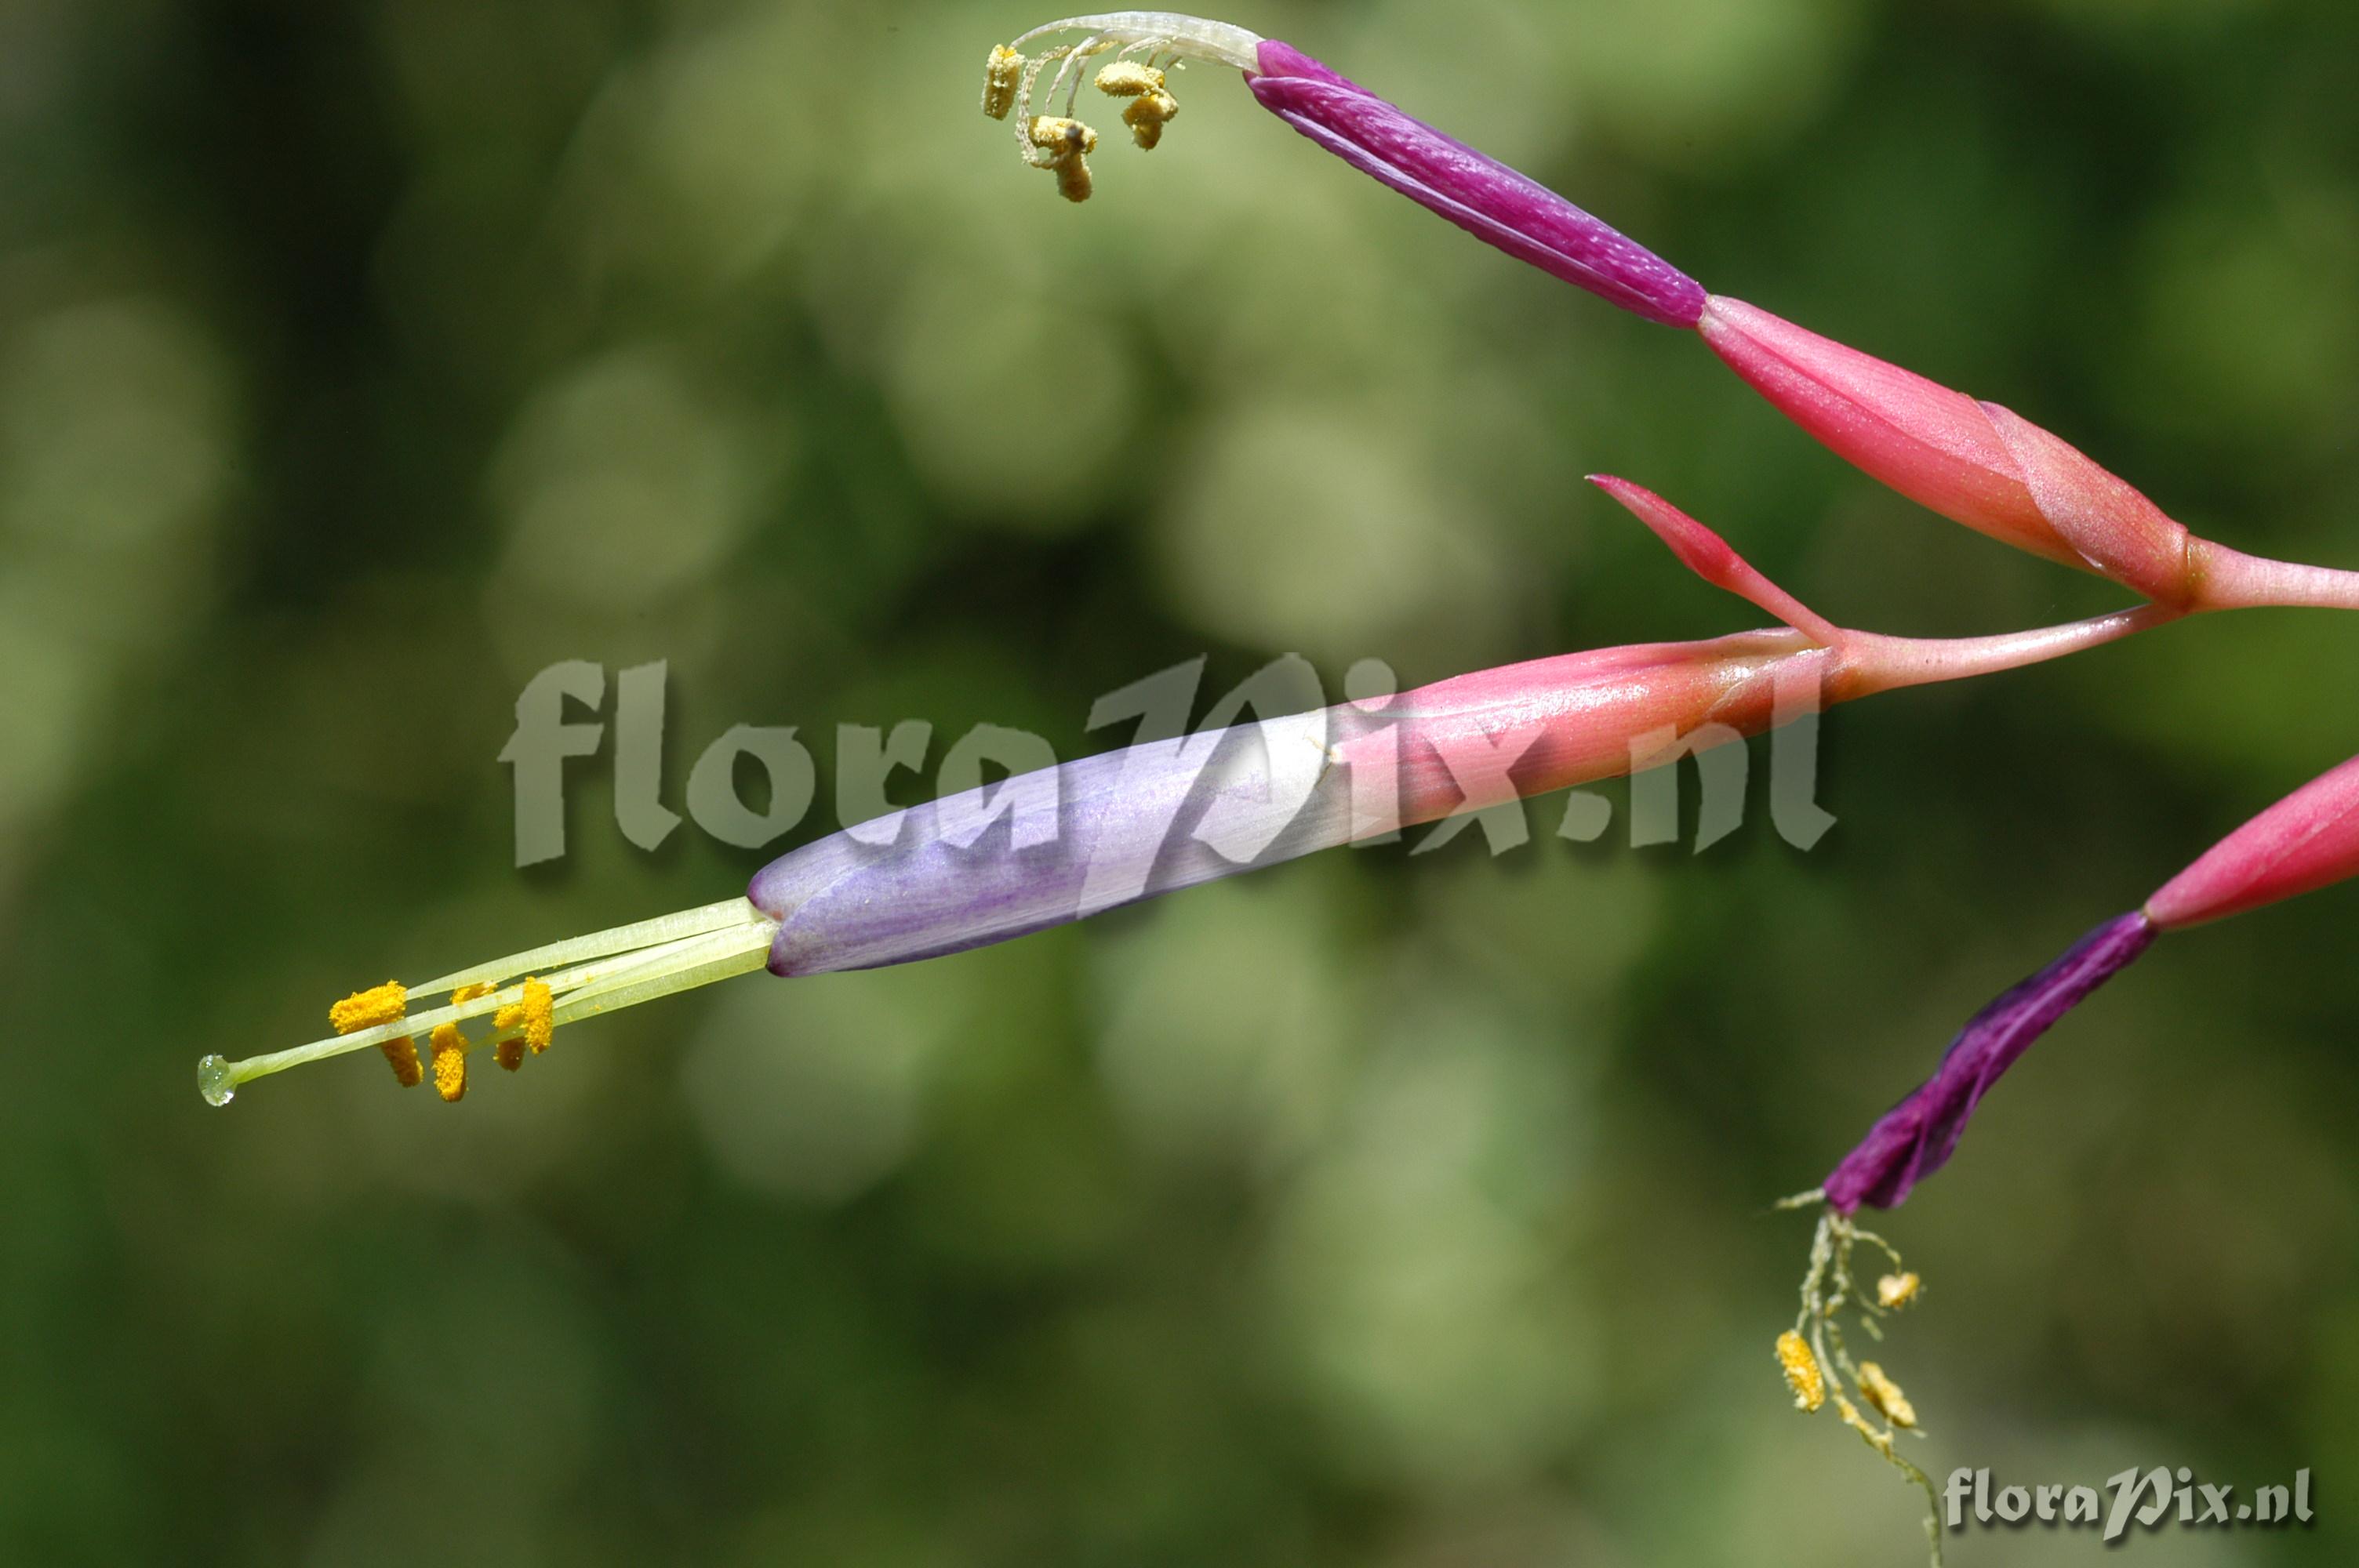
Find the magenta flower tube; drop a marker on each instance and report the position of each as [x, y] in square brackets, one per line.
[1481, 194]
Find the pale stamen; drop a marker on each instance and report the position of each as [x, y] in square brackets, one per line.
[1012, 78]
[603, 972]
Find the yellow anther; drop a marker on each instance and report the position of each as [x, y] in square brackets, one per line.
[536, 1015]
[364, 1010]
[450, 1048]
[539, 1016]
[402, 1051]
[1128, 79]
[1000, 73]
[1801, 1369]
[1884, 1395]
[1898, 1289]
[469, 993]
[1064, 145]
[508, 1051]
[1148, 116]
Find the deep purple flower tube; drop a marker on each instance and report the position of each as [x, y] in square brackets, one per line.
[1916, 1137]
[1480, 194]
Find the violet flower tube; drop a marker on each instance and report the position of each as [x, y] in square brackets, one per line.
[1060, 844]
[2306, 841]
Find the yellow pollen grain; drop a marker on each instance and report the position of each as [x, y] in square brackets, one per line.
[1801, 1369]
[469, 993]
[1898, 1289]
[1000, 75]
[365, 1010]
[1885, 1396]
[401, 1051]
[450, 1048]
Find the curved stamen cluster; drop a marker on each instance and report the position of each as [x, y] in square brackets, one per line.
[1145, 46]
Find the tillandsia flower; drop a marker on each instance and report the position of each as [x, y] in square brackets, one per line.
[2306, 841]
[1480, 194]
[1975, 463]
[1163, 815]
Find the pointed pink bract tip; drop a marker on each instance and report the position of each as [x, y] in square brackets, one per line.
[2306, 841]
[1714, 558]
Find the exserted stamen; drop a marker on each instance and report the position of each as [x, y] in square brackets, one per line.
[603, 972]
[1145, 46]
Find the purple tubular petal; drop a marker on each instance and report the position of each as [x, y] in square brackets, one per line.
[1915, 1137]
[1129, 824]
[1481, 194]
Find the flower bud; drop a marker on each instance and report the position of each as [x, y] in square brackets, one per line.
[1974, 463]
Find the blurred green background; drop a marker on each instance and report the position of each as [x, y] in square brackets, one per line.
[358, 360]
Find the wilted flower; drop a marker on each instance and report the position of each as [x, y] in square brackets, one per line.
[2304, 842]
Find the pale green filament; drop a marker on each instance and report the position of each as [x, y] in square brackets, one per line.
[608, 970]
[1829, 1288]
